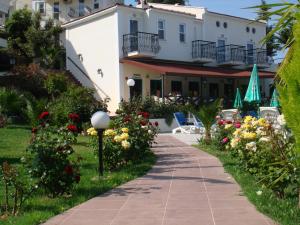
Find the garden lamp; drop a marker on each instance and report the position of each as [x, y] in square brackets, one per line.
[130, 83]
[100, 121]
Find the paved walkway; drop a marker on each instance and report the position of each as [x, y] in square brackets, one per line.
[185, 187]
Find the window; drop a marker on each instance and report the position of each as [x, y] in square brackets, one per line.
[96, 4]
[176, 87]
[182, 33]
[194, 88]
[156, 88]
[161, 29]
[218, 23]
[247, 29]
[40, 7]
[137, 89]
[253, 30]
[225, 25]
[56, 10]
[81, 7]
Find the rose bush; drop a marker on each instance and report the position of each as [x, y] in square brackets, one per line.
[265, 150]
[50, 159]
[129, 138]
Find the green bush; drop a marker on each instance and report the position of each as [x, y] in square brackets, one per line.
[78, 100]
[56, 83]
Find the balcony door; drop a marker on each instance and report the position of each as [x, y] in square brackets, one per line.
[81, 7]
[134, 28]
[250, 53]
[221, 50]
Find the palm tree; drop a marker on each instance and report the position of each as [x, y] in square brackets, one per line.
[207, 114]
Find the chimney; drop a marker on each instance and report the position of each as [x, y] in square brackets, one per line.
[142, 4]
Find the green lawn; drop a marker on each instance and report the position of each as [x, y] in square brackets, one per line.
[283, 211]
[13, 142]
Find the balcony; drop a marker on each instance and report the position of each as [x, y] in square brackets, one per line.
[258, 57]
[140, 44]
[231, 55]
[203, 51]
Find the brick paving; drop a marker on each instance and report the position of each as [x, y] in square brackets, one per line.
[185, 187]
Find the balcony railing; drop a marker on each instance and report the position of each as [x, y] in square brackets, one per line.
[140, 44]
[231, 54]
[204, 51]
[257, 56]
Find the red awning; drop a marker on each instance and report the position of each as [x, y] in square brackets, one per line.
[191, 70]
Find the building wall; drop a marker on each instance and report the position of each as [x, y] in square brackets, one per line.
[99, 50]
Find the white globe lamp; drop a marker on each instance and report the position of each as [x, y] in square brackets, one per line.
[100, 121]
[130, 82]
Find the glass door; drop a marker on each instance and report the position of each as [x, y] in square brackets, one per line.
[137, 89]
[134, 28]
[156, 88]
[250, 54]
[221, 50]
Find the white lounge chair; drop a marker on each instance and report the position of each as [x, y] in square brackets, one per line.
[269, 113]
[230, 114]
[183, 126]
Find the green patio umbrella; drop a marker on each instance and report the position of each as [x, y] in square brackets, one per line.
[253, 92]
[238, 104]
[274, 100]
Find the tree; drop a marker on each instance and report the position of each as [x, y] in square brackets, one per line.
[263, 14]
[207, 114]
[181, 2]
[29, 41]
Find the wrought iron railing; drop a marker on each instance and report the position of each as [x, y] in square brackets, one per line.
[140, 42]
[204, 49]
[256, 56]
[230, 53]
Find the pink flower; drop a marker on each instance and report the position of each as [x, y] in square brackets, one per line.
[225, 140]
[221, 122]
[237, 125]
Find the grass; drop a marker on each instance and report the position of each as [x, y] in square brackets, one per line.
[39, 207]
[283, 211]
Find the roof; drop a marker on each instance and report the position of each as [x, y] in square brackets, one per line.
[191, 69]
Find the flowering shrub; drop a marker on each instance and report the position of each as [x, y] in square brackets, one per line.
[49, 161]
[129, 139]
[265, 151]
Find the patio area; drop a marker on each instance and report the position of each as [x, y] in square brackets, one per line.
[186, 186]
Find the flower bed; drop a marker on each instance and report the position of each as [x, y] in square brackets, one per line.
[263, 149]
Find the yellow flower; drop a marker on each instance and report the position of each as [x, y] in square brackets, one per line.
[228, 126]
[237, 132]
[245, 126]
[91, 131]
[125, 144]
[249, 135]
[234, 142]
[118, 138]
[261, 122]
[109, 132]
[125, 130]
[248, 119]
[124, 136]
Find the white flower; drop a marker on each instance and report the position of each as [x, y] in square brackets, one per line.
[251, 146]
[264, 139]
[259, 192]
[149, 131]
[144, 127]
[281, 120]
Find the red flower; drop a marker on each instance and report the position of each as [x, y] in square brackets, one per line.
[228, 121]
[68, 170]
[72, 128]
[77, 178]
[221, 122]
[150, 123]
[127, 118]
[34, 130]
[237, 125]
[43, 115]
[156, 123]
[74, 117]
[143, 123]
[146, 115]
[225, 140]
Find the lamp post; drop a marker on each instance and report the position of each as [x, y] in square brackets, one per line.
[130, 83]
[100, 121]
